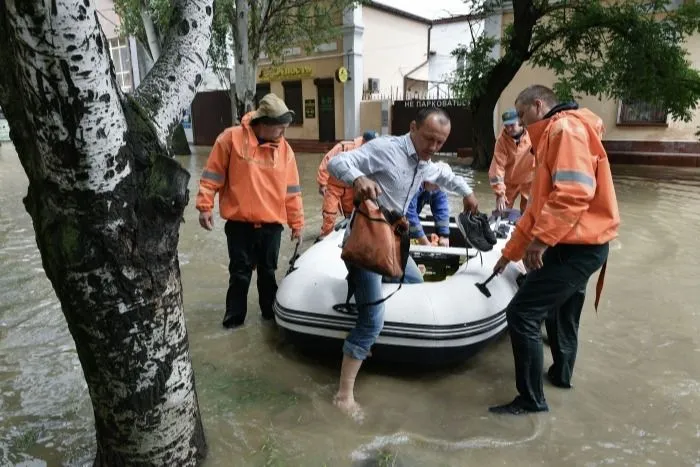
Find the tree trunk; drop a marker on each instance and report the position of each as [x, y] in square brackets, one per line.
[525, 16]
[245, 68]
[106, 203]
[179, 144]
[151, 35]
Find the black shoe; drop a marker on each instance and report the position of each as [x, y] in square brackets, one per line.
[268, 316]
[473, 232]
[556, 382]
[489, 234]
[517, 407]
[232, 321]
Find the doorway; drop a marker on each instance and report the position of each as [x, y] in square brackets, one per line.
[326, 110]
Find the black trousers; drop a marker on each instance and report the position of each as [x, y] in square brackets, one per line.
[555, 294]
[251, 247]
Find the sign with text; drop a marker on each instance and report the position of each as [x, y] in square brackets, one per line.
[404, 112]
[284, 72]
[310, 108]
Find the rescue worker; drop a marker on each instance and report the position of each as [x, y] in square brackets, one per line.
[512, 166]
[431, 194]
[254, 170]
[336, 193]
[562, 238]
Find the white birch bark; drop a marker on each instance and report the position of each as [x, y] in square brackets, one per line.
[106, 204]
[245, 68]
[171, 84]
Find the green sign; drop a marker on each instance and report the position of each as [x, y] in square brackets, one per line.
[310, 108]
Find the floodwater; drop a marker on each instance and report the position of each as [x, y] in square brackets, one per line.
[636, 399]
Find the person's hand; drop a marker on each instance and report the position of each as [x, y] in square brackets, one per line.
[206, 220]
[444, 241]
[296, 234]
[533, 255]
[423, 241]
[471, 204]
[500, 265]
[366, 188]
[501, 201]
[322, 190]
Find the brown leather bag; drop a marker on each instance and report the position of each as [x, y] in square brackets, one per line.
[378, 240]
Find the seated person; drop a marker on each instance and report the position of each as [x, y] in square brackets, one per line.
[431, 194]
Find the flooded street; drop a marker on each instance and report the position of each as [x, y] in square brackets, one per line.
[636, 399]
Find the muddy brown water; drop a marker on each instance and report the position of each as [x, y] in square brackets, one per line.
[636, 399]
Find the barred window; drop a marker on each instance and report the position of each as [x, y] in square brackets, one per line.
[641, 113]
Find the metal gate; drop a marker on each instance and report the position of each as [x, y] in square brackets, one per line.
[403, 112]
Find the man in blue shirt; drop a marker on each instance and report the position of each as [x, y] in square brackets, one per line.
[431, 194]
[389, 169]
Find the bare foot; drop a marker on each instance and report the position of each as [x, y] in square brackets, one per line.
[349, 407]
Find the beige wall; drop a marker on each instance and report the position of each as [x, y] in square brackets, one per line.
[109, 20]
[392, 46]
[371, 116]
[320, 68]
[606, 109]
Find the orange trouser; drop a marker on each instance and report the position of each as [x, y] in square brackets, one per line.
[336, 196]
[513, 192]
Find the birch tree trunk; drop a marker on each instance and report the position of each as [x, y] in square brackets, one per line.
[179, 144]
[245, 68]
[106, 202]
[151, 35]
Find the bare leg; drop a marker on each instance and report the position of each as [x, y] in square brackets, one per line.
[345, 398]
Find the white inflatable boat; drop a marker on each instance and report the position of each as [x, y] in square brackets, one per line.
[443, 320]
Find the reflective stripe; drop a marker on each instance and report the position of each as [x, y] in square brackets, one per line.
[495, 180]
[416, 228]
[573, 176]
[213, 176]
[293, 189]
[443, 223]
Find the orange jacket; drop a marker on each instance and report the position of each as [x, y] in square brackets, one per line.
[257, 183]
[512, 164]
[323, 177]
[573, 198]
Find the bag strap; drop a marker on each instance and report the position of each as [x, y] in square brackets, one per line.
[351, 308]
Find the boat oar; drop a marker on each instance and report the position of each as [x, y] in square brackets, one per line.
[482, 286]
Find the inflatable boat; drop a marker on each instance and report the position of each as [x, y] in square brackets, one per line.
[445, 319]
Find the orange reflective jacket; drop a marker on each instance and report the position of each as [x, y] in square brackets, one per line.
[512, 165]
[257, 183]
[572, 198]
[323, 177]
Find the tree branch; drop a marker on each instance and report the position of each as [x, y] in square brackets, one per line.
[171, 84]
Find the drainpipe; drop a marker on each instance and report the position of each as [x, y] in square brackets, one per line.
[429, 30]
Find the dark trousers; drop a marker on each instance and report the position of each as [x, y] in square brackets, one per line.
[555, 294]
[251, 247]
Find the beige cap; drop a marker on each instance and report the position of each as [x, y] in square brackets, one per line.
[273, 108]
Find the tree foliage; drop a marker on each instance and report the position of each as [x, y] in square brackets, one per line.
[631, 50]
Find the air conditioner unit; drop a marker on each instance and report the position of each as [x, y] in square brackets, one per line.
[373, 84]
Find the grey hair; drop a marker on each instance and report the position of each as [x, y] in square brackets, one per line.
[530, 94]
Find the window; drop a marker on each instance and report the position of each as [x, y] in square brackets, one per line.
[121, 57]
[642, 114]
[294, 100]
